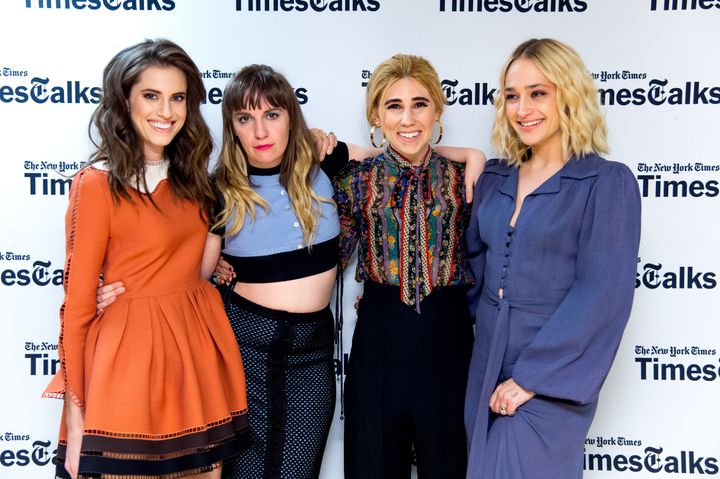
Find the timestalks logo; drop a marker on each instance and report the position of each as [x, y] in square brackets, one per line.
[506, 6]
[74, 92]
[307, 5]
[40, 91]
[42, 363]
[655, 186]
[652, 276]
[683, 4]
[654, 460]
[652, 368]
[39, 454]
[215, 96]
[41, 274]
[41, 184]
[478, 94]
[112, 5]
[659, 93]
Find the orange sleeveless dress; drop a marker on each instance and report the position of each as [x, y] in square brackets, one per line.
[158, 374]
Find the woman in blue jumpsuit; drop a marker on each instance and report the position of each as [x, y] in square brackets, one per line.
[552, 246]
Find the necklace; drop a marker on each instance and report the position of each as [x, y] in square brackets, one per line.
[154, 163]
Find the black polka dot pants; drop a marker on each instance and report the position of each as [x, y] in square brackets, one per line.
[288, 361]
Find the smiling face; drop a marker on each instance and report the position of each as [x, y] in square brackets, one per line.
[406, 115]
[531, 106]
[158, 108]
[263, 132]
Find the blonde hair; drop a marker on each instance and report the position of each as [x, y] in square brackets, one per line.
[396, 68]
[582, 126]
[300, 163]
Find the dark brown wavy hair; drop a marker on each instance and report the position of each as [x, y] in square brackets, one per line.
[120, 146]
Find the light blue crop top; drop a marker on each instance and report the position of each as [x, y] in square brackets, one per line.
[278, 229]
[272, 248]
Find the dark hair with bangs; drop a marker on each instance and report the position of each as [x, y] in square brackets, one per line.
[121, 148]
[247, 90]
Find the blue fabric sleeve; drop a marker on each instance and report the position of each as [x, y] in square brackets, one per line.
[475, 253]
[571, 355]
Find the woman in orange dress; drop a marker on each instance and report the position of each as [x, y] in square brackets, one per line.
[154, 385]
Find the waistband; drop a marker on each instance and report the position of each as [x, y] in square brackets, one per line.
[440, 297]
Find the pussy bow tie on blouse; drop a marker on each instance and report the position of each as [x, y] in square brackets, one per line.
[412, 184]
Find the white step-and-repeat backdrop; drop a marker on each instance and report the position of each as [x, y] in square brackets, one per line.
[657, 66]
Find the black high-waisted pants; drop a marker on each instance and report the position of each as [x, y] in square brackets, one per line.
[288, 361]
[405, 386]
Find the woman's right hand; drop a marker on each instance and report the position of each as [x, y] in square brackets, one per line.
[106, 294]
[224, 272]
[75, 423]
[325, 143]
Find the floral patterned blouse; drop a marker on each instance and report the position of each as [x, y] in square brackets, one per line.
[409, 221]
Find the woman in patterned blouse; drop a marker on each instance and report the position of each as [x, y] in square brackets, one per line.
[411, 348]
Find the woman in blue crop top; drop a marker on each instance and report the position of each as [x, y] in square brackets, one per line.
[280, 230]
[280, 226]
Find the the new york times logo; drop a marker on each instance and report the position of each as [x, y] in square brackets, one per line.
[50, 178]
[655, 276]
[40, 91]
[506, 6]
[677, 363]
[651, 459]
[111, 5]
[40, 273]
[312, 6]
[654, 185]
[12, 72]
[38, 454]
[669, 5]
[660, 92]
[42, 358]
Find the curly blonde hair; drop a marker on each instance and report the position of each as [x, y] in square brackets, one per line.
[582, 125]
[248, 88]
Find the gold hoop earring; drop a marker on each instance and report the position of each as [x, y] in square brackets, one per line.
[372, 137]
[440, 131]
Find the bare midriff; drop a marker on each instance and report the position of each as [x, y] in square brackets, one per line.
[303, 295]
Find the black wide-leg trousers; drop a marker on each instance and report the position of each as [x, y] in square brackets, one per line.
[405, 386]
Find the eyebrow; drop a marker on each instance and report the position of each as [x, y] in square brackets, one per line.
[398, 100]
[528, 87]
[246, 111]
[152, 90]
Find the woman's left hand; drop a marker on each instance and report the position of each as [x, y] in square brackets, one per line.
[508, 397]
[325, 143]
[224, 272]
